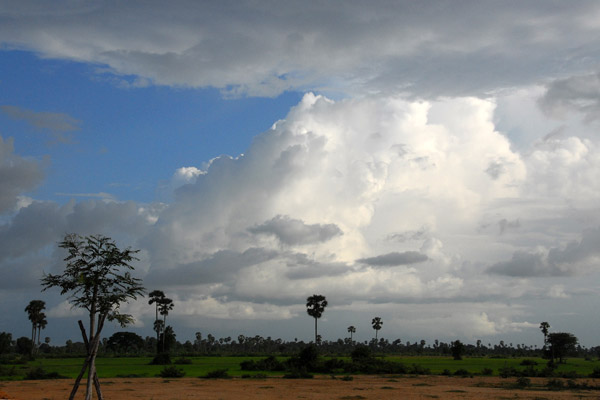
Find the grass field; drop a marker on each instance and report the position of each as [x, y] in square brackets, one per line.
[139, 366]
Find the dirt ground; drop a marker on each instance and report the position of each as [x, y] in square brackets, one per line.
[322, 387]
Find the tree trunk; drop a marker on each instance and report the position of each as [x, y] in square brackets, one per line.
[315, 330]
[88, 348]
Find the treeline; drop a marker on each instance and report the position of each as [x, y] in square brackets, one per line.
[131, 344]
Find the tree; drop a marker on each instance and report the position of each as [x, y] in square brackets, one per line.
[561, 344]
[315, 306]
[37, 317]
[93, 280]
[377, 324]
[24, 346]
[125, 342]
[162, 306]
[5, 342]
[457, 349]
[544, 326]
[352, 330]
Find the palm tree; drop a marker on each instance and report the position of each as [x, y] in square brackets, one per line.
[164, 307]
[315, 306]
[352, 330]
[377, 323]
[544, 326]
[155, 298]
[36, 316]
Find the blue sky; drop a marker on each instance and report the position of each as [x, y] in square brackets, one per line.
[434, 163]
[122, 141]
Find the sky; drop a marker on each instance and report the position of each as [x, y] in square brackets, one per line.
[434, 163]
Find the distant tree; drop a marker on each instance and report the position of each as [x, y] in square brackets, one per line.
[457, 349]
[561, 344]
[94, 281]
[24, 346]
[315, 306]
[167, 339]
[37, 317]
[544, 326]
[352, 330]
[125, 342]
[377, 323]
[5, 342]
[162, 306]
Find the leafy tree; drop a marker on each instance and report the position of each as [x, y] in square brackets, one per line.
[37, 317]
[5, 342]
[457, 349]
[561, 343]
[377, 323]
[24, 345]
[351, 330]
[124, 342]
[315, 306]
[94, 280]
[544, 326]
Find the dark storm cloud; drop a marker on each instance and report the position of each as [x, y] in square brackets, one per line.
[575, 258]
[394, 259]
[295, 232]
[577, 93]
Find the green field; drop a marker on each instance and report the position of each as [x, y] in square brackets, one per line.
[139, 366]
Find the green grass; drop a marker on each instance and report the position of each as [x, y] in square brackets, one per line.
[111, 367]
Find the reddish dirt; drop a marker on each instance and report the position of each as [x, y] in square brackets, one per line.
[322, 387]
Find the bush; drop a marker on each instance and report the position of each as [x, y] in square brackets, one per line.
[182, 361]
[528, 362]
[595, 373]
[161, 359]
[555, 384]
[268, 364]
[523, 382]
[417, 369]
[507, 372]
[298, 375]
[487, 371]
[462, 372]
[172, 372]
[39, 373]
[8, 371]
[446, 372]
[217, 374]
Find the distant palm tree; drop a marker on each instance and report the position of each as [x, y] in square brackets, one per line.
[377, 323]
[315, 306]
[352, 330]
[37, 317]
[544, 326]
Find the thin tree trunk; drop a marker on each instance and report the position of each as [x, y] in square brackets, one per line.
[316, 331]
[87, 347]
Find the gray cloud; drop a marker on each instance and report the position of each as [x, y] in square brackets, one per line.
[218, 267]
[300, 266]
[295, 232]
[255, 48]
[17, 175]
[57, 122]
[579, 93]
[394, 259]
[575, 258]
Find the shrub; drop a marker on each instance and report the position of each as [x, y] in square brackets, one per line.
[487, 371]
[417, 369]
[555, 384]
[446, 372]
[527, 362]
[595, 373]
[268, 364]
[523, 382]
[39, 373]
[298, 375]
[172, 372]
[461, 372]
[217, 374]
[183, 360]
[507, 372]
[161, 359]
[8, 371]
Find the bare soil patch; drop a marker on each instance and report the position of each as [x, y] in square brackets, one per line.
[321, 387]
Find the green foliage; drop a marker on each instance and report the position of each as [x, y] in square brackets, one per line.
[457, 349]
[183, 361]
[561, 343]
[268, 364]
[487, 371]
[172, 372]
[462, 372]
[217, 374]
[523, 382]
[24, 345]
[161, 359]
[37, 373]
[125, 342]
[5, 342]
